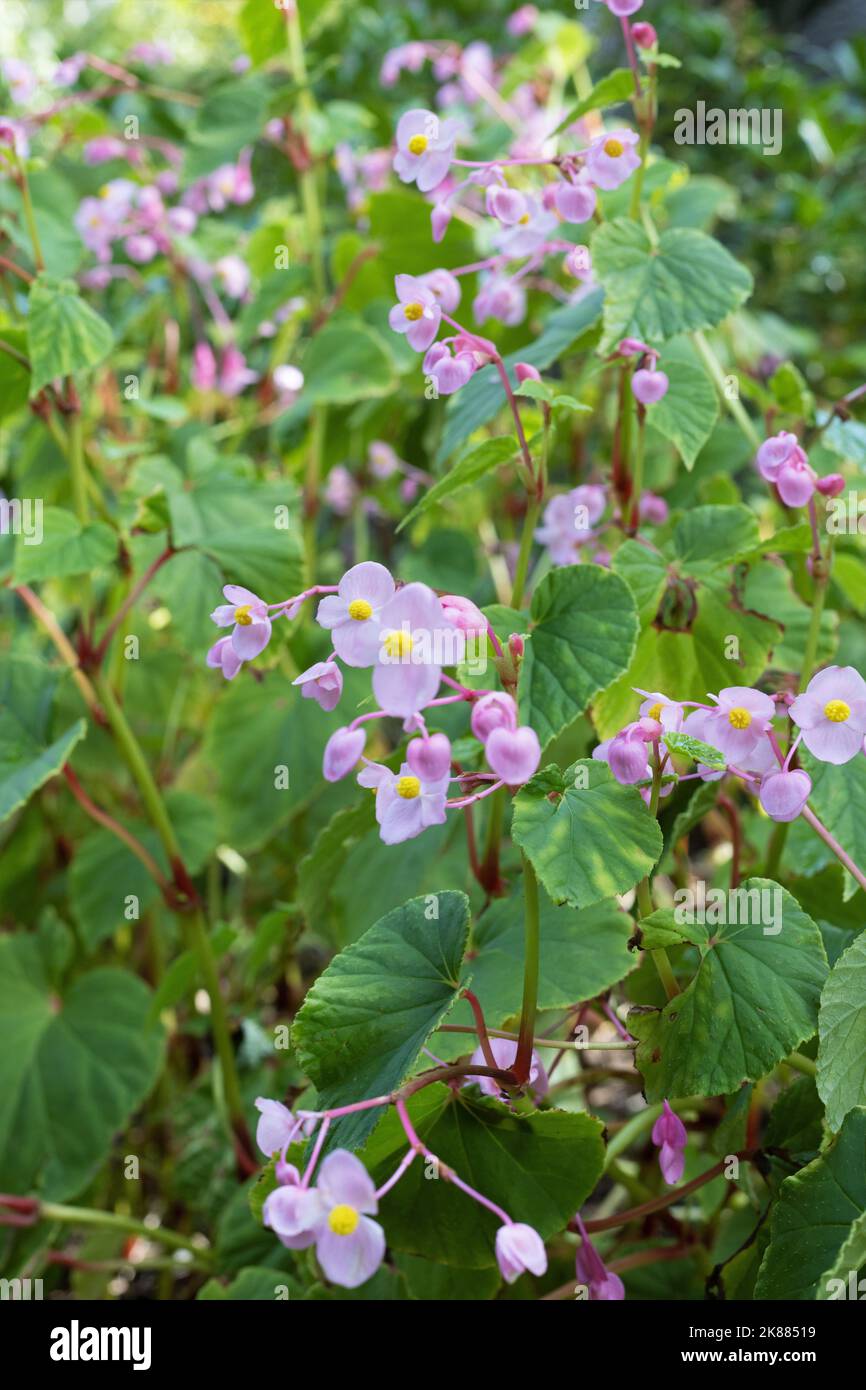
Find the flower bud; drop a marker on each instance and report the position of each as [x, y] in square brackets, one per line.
[575, 202]
[513, 754]
[342, 751]
[429, 758]
[494, 711]
[784, 794]
[524, 371]
[519, 1248]
[649, 387]
[626, 758]
[644, 35]
[832, 485]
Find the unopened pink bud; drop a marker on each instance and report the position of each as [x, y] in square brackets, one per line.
[832, 485]
[644, 35]
[513, 754]
[649, 387]
[429, 758]
[342, 751]
[524, 371]
[784, 794]
[494, 711]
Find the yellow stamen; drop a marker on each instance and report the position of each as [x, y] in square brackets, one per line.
[656, 711]
[837, 711]
[613, 147]
[360, 610]
[524, 219]
[397, 644]
[413, 311]
[408, 788]
[242, 615]
[418, 144]
[739, 718]
[343, 1220]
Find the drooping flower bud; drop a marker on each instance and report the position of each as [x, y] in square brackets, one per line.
[429, 758]
[513, 754]
[494, 711]
[649, 387]
[784, 794]
[519, 1249]
[669, 1134]
[342, 751]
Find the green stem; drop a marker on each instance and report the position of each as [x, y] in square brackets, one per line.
[29, 217]
[813, 637]
[522, 568]
[309, 190]
[523, 1057]
[798, 1062]
[645, 900]
[714, 367]
[201, 944]
[141, 774]
[85, 1216]
[776, 848]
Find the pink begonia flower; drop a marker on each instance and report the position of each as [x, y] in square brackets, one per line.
[444, 287]
[14, 136]
[407, 57]
[223, 657]
[450, 371]
[500, 297]
[430, 758]
[783, 462]
[626, 756]
[234, 275]
[462, 613]
[352, 614]
[289, 382]
[204, 367]
[831, 485]
[784, 794]
[669, 713]
[524, 371]
[612, 158]
[644, 35]
[277, 1126]
[773, 452]
[181, 221]
[522, 21]
[349, 1245]
[341, 490]
[832, 714]
[623, 8]
[505, 1051]
[494, 711]
[406, 804]
[513, 754]
[20, 79]
[153, 55]
[575, 202]
[322, 682]
[603, 1286]
[519, 1249]
[415, 641]
[68, 70]
[342, 751]
[507, 205]
[653, 509]
[578, 263]
[104, 148]
[140, 248]
[294, 1214]
[528, 235]
[568, 520]
[669, 1135]
[417, 314]
[235, 376]
[425, 148]
[649, 387]
[383, 460]
[741, 716]
[249, 614]
[440, 217]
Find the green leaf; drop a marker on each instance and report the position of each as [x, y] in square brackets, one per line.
[587, 837]
[64, 335]
[814, 1215]
[250, 529]
[583, 636]
[582, 953]
[645, 573]
[474, 464]
[66, 548]
[231, 117]
[753, 998]
[263, 30]
[368, 1015]
[318, 870]
[791, 393]
[253, 1283]
[841, 1279]
[842, 1034]
[839, 800]
[15, 378]
[687, 414]
[687, 282]
[707, 538]
[610, 90]
[538, 1168]
[482, 397]
[695, 749]
[72, 1069]
[347, 362]
[29, 757]
[435, 1283]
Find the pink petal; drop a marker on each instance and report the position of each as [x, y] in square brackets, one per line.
[343, 1179]
[250, 640]
[351, 1260]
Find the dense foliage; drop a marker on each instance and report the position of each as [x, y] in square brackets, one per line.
[432, 700]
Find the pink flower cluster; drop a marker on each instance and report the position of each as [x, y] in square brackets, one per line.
[406, 635]
[830, 716]
[784, 463]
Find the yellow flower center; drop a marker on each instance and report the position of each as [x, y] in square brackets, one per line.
[398, 644]
[524, 219]
[242, 615]
[104, 191]
[656, 711]
[360, 610]
[739, 718]
[413, 311]
[343, 1220]
[418, 144]
[613, 147]
[837, 711]
[408, 788]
